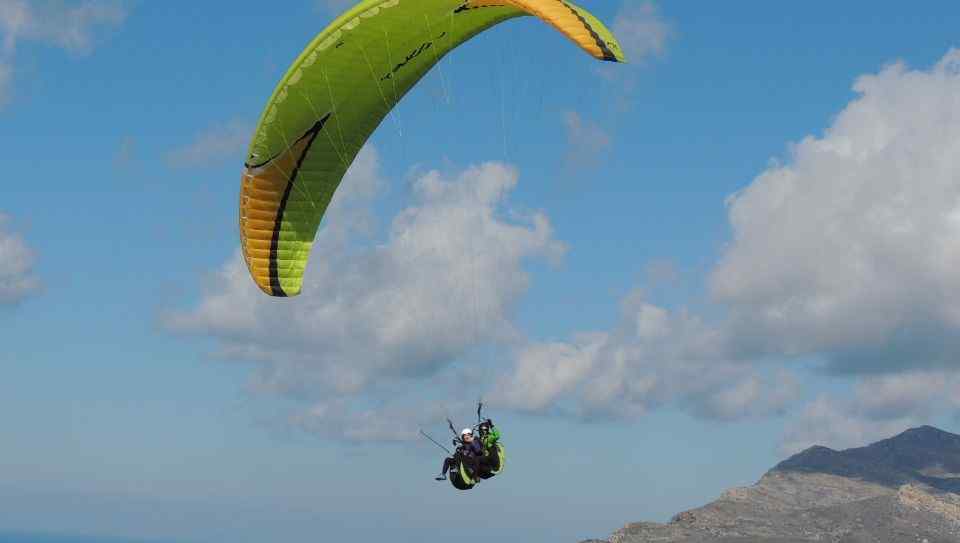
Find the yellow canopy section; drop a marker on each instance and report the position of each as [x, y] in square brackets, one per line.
[572, 21]
[335, 95]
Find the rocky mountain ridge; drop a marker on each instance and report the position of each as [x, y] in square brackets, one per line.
[902, 489]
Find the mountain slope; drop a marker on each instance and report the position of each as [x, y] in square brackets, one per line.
[906, 488]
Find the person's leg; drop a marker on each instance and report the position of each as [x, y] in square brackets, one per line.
[447, 463]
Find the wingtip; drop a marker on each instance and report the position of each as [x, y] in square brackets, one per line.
[275, 291]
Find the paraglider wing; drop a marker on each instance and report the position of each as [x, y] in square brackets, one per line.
[335, 95]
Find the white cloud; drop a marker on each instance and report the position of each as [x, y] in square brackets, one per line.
[641, 30]
[838, 425]
[69, 25]
[917, 393]
[643, 33]
[878, 407]
[654, 358]
[14, 17]
[218, 143]
[848, 251]
[445, 280]
[851, 249]
[16, 266]
[344, 418]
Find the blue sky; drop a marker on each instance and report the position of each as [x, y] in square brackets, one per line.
[663, 277]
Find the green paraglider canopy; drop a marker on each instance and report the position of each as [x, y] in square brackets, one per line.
[335, 95]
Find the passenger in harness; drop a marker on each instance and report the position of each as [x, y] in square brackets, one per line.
[478, 454]
[481, 455]
[469, 453]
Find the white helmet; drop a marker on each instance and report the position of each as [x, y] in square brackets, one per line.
[466, 431]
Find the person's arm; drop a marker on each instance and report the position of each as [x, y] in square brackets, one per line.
[492, 437]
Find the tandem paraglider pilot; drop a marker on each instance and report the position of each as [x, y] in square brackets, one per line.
[479, 453]
[477, 456]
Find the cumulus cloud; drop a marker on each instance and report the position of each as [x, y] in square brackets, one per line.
[641, 30]
[836, 424]
[444, 281]
[215, 144]
[16, 266]
[370, 421]
[71, 26]
[878, 407]
[845, 253]
[643, 33]
[851, 248]
[654, 358]
[14, 16]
